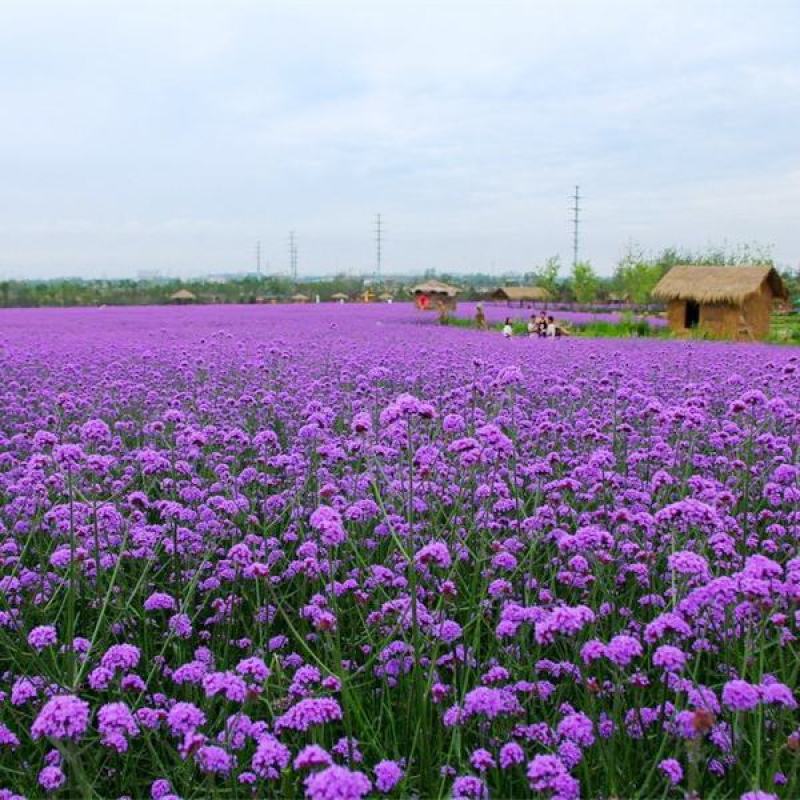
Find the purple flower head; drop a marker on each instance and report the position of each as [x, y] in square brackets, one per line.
[669, 658]
[739, 695]
[482, 760]
[672, 769]
[510, 755]
[309, 713]
[270, 758]
[757, 794]
[51, 779]
[62, 717]
[387, 775]
[214, 760]
[468, 787]
[577, 728]
[159, 788]
[622, 650]
[490, 702]
[337, 783]
[184, 718]
[42, 636]
[312, 755]
[778, 694]
[548, 773]
[160, 601]
[116, 723]
[327, 522]
[8, 738]
[435, 553]
[123, 657]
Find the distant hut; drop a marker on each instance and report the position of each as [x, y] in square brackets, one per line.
[182, 297]
[367, 296]
[434, 296]
[339, 297]
[521, 294]
[299, 298]
[386, 297]
[725, 302]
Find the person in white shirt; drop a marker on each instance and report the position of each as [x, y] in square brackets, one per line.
[507, 329]
[551, 328]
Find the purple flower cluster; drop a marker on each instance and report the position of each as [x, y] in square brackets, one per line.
[345, 551]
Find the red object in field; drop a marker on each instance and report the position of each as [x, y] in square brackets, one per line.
[423, 301]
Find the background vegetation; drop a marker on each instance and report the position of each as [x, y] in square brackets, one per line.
[633, 278]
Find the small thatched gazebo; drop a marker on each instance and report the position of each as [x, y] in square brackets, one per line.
[299, 298]
[182, 297]
[521, 294]
[339, 297]
[725, 302]
[434, 296]
[385, 297]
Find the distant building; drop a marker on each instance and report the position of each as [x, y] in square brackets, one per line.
[434, 295]
[521, 294]
[724, 302]
[182, 297]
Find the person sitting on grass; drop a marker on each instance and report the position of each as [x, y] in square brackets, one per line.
[533, 326]
[554, 330]
[508, 330]
[541, 325]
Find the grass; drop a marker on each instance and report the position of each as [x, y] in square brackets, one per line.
[784, 328]
[625, 329]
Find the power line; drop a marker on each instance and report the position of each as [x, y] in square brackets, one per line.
[378, 245]
[293, 256]
[576, 209]
[258, 258]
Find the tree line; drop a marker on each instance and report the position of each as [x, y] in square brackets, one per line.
[632, 281]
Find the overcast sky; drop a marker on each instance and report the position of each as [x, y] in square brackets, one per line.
[168, 136]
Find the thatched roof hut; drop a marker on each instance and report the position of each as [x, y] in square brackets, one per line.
[521, 294]
[182, 296]
[385, 296]
[339, 297]
[724, 302]
[434, 295]
[299, 298]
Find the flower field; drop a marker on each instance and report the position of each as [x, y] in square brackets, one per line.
[340, 552]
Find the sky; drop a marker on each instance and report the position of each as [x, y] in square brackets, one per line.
[169, 137]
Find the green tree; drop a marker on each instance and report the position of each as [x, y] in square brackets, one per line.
[585, 282]
[635, 276]
[546, 275]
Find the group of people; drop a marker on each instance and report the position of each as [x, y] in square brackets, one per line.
[540, 325]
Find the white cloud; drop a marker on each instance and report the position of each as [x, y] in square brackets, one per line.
[171, 135]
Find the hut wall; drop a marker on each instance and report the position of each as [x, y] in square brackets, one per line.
[757, 310]
[676, 314]
[720, 320]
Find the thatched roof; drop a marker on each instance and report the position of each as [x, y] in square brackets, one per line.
[299, 298]
[385, 296]
[435, 287]
[717, 284]
[521, 293]
[183, 294]
[339, 296]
